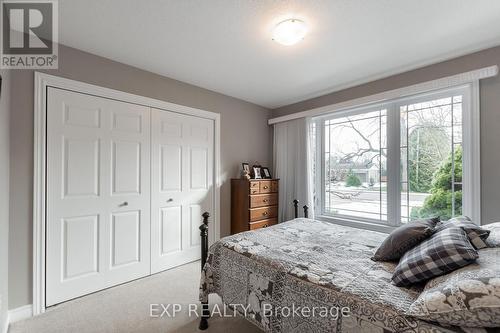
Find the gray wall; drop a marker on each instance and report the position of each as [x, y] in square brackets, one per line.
[244, 137]
[490, 114]
[4, 196]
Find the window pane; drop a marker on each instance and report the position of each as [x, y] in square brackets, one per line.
[404, 164]
[457, 123]
[383, 179]
[405, 208]
[433, 163]
[355, 166]
[457, 200]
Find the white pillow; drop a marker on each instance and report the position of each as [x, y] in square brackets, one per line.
[493, 239]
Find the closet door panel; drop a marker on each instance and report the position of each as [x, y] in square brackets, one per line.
[98, 194]
[182, 188]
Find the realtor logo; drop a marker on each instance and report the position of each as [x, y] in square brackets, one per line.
[29, 34]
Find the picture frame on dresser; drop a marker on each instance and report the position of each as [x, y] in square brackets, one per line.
[256, 172]
[265, 173]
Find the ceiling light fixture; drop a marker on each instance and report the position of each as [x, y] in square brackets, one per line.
[289, 32]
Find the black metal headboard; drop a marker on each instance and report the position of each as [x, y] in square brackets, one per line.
[296, 208]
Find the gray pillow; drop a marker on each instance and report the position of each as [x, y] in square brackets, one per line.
[477, 235]
[444, 252]
[467, 297]
[404, 238]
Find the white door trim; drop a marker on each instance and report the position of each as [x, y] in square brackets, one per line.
[41, 83]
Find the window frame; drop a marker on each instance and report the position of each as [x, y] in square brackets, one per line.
[320, 176]
[470, 158]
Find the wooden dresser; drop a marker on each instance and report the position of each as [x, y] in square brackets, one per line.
[254, 204]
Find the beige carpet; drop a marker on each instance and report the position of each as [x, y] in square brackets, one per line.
[126, 308]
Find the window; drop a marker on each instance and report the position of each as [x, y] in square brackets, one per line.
[393, 162]
[431, 158]
[355, 170]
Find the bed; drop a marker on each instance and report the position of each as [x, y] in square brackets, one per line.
[305, 263]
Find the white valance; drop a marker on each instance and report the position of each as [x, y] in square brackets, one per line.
[442, 83]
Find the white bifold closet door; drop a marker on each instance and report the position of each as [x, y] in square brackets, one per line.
[98, 194]
[182, 186]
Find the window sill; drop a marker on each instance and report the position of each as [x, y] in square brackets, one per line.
[357, 224]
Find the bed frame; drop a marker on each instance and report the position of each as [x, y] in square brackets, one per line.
[205, 313]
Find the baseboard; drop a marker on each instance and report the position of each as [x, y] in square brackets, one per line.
[20, 313]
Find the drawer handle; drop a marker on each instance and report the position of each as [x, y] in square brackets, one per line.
[265, 213]
[265, 200]
[265, 226]
[266, 187]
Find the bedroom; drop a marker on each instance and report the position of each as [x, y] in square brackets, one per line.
[122, 122]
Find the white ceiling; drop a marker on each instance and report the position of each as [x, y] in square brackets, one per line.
[225, 45]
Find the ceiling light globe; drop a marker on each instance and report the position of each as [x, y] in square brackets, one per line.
[289, 32]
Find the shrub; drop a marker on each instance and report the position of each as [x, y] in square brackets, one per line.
[440, 202]
[352, 180]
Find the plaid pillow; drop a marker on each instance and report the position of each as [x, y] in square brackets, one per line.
[477, 235]
[444, 252]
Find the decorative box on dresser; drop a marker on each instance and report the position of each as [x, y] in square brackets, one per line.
[254, 204]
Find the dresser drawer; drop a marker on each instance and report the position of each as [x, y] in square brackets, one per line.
[263, 224]
[262, 200]
[257, 214]
[254, 187]
[265, 186]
